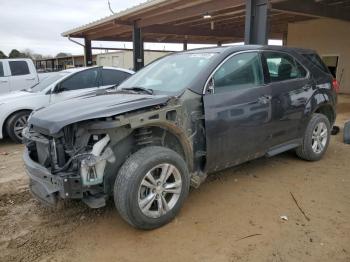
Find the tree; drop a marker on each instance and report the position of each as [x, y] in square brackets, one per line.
[61, 54]
[16, 54]
[2, 55]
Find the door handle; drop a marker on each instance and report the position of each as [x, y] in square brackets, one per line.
[264, 99]
[3, 81]
[30, 79]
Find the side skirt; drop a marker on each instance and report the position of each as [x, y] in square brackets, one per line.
[283, 147]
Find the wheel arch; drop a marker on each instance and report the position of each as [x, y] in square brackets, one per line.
[155, 134]
[172, 137]
[327, 110]
[8, 117]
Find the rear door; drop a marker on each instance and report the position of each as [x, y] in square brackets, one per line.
[77, 84]
[21, 76]
[291, 89]
[4, 80]
[237, 112]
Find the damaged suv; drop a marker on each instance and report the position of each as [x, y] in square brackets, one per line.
[180, 118]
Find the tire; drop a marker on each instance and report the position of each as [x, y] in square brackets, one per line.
[15, 124]
[347, 133]
[130, 195]
[308, 151]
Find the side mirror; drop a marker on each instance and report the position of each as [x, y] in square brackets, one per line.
[211, 85]
[57, 89]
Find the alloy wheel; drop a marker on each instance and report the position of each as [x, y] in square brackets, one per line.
[160, 190]
[319, 138]
[19, 125]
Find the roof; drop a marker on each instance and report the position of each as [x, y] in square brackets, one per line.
[175, 21]
[118, 15]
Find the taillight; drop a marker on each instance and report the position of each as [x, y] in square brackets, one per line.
[335, 85]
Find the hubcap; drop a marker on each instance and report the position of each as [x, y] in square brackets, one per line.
[20, 124]
[160, 190]
[319, 138]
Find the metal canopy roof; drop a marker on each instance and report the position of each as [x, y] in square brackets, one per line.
[176, 21]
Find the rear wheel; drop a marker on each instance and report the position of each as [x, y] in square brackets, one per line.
[316, 138]
[151, 187]
[15, 125]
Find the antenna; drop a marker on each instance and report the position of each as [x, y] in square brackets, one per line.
[110, 8]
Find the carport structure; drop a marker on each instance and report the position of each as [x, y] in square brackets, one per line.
[206, 22]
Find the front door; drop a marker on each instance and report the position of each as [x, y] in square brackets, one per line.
[237, 112]
[77, 85]
[4, 80]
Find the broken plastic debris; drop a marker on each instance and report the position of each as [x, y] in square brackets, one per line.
[284, 218]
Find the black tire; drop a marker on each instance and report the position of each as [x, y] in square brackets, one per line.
[13, 121]
[305, 151]
[130, 177]
[347, 133]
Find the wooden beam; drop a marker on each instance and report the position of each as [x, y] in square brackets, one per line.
[188, 31]
[117, 30]
[182, 13]
[312, 9]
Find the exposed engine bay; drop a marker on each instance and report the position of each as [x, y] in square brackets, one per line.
[82, 160]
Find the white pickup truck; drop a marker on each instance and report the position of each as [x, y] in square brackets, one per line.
[17, 74]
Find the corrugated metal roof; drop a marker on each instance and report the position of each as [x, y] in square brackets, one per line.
[119, 15]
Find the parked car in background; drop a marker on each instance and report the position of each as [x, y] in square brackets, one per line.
[16, 107]
[180, 118]
[17, 74]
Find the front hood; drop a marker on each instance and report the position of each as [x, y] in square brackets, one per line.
[13, 96]
[53, 118]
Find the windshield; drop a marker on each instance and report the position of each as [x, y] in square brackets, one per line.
[171, 73]
[47, 81]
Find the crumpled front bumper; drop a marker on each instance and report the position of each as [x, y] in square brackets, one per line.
[47, 186]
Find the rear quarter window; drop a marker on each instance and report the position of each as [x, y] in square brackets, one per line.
[317, 61]
[19, 68]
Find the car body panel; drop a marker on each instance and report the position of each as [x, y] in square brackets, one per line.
[11, 83]
[53, 118]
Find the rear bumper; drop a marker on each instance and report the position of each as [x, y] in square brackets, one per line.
[44, 184]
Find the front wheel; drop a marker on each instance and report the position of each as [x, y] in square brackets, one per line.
[151, 187]
[316, 138]
[15, 125]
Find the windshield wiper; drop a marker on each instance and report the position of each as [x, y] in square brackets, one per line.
[139, 89]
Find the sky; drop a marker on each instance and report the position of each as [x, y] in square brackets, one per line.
[37, 24]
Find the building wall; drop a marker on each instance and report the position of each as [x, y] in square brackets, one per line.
[124, 59]
[328, 37]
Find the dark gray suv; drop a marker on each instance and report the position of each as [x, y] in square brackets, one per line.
[180, 118]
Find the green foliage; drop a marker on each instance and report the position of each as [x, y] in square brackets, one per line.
[2, 55]
[63, 55]
[16, 54]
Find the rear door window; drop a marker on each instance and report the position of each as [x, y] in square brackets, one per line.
[282, 67]
[19, 68]
[1, 70]
[85, 79]
[113, 77]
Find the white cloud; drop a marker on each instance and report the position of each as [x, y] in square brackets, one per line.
[38, 24]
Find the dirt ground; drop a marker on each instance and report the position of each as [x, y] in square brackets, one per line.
[234, 216]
